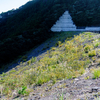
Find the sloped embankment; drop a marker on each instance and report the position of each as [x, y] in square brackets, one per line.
[74, 61]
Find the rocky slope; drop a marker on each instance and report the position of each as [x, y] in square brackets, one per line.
[82, 84]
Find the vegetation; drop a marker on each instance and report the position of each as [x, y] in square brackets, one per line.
[22, 91]
[64, 62]
[61, 97]
[30, 25]
[87, 48]
[96, 73]
[92, 53]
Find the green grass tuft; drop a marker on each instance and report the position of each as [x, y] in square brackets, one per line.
[92, 53]
[96, 73]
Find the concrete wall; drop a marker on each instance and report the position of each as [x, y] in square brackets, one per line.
[65, 23]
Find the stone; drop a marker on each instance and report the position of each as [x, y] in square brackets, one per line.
[14, 94]
[95, 89]
[76, 79]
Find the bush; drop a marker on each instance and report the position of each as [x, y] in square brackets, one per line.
[87, 48]
[96, 73]
[22, 91]
[29, 62]
[96, 45]
[33, 60]
[92, 53]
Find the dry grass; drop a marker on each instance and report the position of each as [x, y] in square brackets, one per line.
[68, 60]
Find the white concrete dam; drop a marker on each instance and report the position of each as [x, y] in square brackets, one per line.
[65, 23]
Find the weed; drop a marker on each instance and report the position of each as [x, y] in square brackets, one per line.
[44, 48]
[92, 53]
[96, 73]
[23, 90]
[53, 48]
[24, 58]
[87, 77]
[3, 74]
[12, 71]
[94, 59]
[58, 43]
[33, 60]
[82, 71]
[98, 61]
[62, 97]
[96, 45]
[87, 48]
[29, 62]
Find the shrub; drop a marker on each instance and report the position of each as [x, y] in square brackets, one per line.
[92, 53]
[33, 60]
[96, 73]
[24, 58]
[87, 48]
[96, 45]
[23, 90]
[58, 43]
[62, 97]
[53, 48]
[94, 59]
[29, 62]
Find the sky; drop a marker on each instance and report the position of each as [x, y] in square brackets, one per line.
[6, 5]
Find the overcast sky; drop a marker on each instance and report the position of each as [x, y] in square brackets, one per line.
[6, 5]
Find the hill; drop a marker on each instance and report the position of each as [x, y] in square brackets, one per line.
[69, 70]
[31, 25]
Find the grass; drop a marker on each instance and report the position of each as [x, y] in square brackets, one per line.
[96, 73]
[24, 58]
[87, 48]
[66, 60]
[92, 53]
[32, 60]
[22, 91]
[62, 97]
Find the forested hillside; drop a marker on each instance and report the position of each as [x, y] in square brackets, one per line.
[31, 24]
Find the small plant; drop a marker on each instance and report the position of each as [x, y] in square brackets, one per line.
[87, 48]
[23, 90]
[24, 58]
[44, 48]
[33, 60]
[53, 48]
[12, 71]
[94, 59]
[62, 97]
[92, 53]
[58, 43]
[42, 80]
[96, 45]
[82, 71]
[3, 74]
[29, 62]
[96, 73]
[87, 77]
